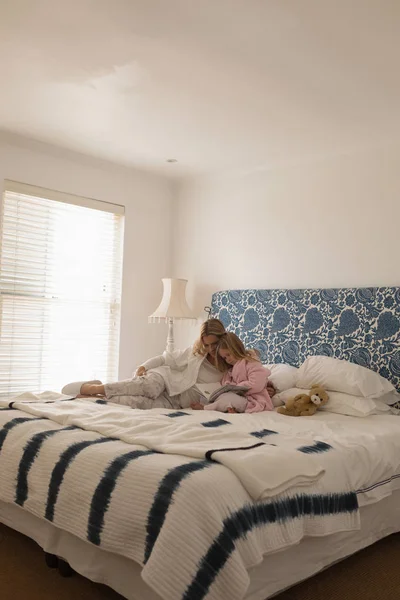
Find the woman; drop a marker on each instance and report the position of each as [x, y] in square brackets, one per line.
[166, 381]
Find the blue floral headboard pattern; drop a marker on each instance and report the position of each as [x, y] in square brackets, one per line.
[357, 324]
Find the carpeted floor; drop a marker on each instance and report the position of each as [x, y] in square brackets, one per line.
[373, 574]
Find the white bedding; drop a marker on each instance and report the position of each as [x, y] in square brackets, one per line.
[363, 463]
[264, 469]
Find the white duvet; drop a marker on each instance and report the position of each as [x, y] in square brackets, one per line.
[137, 483]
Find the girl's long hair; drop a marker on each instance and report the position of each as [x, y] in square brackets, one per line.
[210, 327]
[231, 342]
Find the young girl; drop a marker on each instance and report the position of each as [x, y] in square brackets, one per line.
[246, 370]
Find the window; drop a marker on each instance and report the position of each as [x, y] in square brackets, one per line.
[60, 289]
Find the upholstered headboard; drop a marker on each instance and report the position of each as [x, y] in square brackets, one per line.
[357, 324]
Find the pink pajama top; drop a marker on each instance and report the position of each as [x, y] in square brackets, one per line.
[253, 375]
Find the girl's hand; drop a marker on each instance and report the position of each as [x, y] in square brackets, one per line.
[140, 372]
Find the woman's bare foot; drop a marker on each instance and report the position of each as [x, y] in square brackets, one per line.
[92, 389]
[197, 406]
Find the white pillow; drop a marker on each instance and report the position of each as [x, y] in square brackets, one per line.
[342, 376]
[344, 404]
[276, 401]
[391, 398]
[282, 377]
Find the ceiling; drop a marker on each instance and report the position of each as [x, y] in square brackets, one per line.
[219, 85]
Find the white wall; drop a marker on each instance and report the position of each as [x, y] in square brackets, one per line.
[147, 248]
[333, 223]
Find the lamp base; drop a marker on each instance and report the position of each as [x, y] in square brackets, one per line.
[170, 338]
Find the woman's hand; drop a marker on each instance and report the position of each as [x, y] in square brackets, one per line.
[140, 371]
[196, 406]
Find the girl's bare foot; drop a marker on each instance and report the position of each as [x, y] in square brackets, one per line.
[197, 406]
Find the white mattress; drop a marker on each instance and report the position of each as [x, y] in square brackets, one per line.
[267, 579]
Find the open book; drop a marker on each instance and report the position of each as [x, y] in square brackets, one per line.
[212, 391]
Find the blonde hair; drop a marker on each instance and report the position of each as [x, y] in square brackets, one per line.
[231, 342]
[210, 327]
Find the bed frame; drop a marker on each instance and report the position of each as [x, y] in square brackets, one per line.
[358, 324]
[361, 325]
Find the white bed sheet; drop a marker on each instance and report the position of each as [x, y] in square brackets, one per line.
[272, 576]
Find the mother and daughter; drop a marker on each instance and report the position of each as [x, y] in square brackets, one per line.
[169, 381]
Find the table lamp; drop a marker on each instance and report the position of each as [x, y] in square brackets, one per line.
[173, 307]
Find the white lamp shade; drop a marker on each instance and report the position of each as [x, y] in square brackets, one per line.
[173, 304]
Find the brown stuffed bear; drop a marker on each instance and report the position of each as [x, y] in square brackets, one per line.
[305, 405]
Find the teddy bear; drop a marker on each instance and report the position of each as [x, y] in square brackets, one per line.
[305, 405]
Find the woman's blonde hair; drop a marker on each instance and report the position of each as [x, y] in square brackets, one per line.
[210, 327]
[231, 342]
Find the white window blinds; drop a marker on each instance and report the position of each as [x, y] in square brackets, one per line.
[60, 289]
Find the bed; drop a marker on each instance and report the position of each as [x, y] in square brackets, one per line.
[87, 481]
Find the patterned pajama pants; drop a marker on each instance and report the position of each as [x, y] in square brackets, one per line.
[143, 392]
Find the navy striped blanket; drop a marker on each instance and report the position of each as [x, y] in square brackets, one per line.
[164, 488]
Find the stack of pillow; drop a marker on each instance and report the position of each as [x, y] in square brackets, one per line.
[353, 390]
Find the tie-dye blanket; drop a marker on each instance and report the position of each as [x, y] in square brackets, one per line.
[156, 487]
[264, 469]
